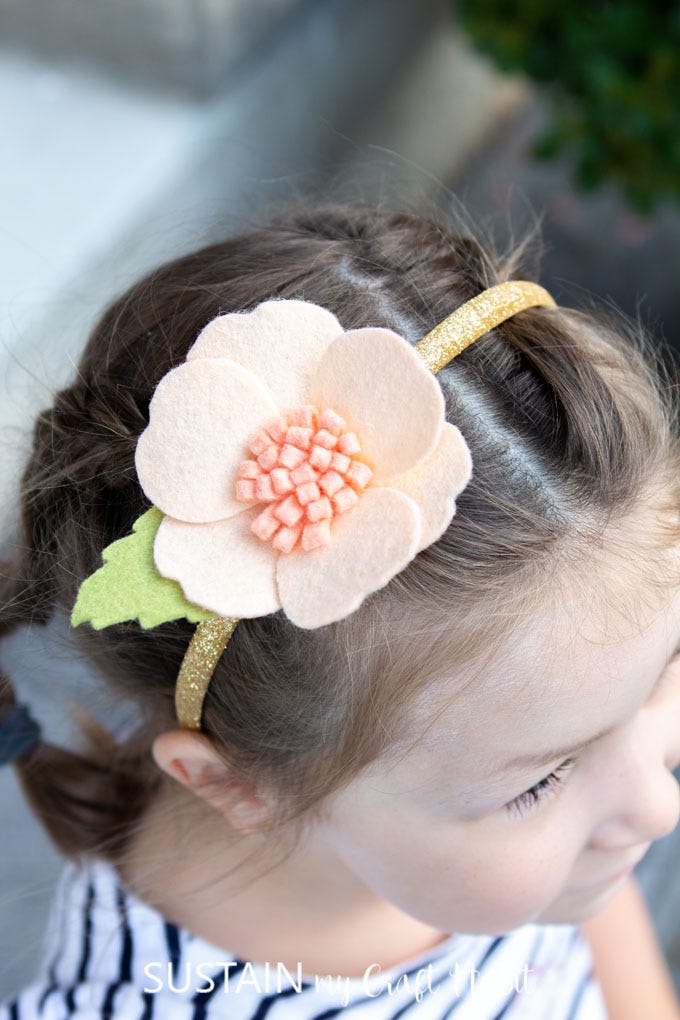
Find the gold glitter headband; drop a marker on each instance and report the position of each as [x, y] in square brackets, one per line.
[469, 322]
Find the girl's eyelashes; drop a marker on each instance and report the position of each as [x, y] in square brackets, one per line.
[539, 791]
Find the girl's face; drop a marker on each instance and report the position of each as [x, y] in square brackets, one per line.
[536, 785]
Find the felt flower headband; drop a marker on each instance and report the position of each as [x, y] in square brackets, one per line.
[291, 465]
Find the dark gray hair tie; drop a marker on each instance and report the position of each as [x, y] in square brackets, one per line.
[19, 733]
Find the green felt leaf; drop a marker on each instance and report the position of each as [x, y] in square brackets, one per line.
[129, 587]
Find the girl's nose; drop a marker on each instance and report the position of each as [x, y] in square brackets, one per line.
[663, 710]
[650, 812]
[639, 797]
[642, 798]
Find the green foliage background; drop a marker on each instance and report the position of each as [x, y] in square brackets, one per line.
[612, 71]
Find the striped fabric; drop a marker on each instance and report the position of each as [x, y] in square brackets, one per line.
[110, 956]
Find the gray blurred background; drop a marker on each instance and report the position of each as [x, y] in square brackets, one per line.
[134, 131]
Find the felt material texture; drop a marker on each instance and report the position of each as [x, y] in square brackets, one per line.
[370, 545]
[201, 416]
[272, 452]
[281, 342]
[129, 586]
[435, 482]
[377, 382]
[222, 564]
[305, 497]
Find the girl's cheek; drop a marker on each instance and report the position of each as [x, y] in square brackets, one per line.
[534, 861]
[498, 901]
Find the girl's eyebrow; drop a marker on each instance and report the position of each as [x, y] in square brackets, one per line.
[542, 758]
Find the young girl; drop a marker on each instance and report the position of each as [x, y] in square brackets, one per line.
[401, 762]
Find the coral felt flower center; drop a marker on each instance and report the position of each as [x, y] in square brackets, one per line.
[306, 469]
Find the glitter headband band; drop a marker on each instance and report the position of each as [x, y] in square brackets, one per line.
[332, 478]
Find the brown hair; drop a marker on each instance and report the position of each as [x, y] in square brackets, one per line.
[570, 425]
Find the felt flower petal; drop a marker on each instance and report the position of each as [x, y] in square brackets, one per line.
[435, 482]
[369, 545]
[202, 416]
[280, 341]
[377, 382]
[223, 565]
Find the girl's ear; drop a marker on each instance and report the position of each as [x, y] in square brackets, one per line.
[191, 759]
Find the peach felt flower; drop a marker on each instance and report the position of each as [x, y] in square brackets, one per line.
[298, 466]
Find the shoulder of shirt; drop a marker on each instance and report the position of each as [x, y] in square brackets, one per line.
[100, 938]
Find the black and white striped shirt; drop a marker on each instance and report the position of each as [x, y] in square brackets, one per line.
[111, 956]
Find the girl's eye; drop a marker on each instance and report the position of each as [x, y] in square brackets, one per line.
[539, 791]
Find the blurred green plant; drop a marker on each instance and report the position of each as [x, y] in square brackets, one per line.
[612, 73]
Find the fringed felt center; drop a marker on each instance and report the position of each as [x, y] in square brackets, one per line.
[306, 470]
